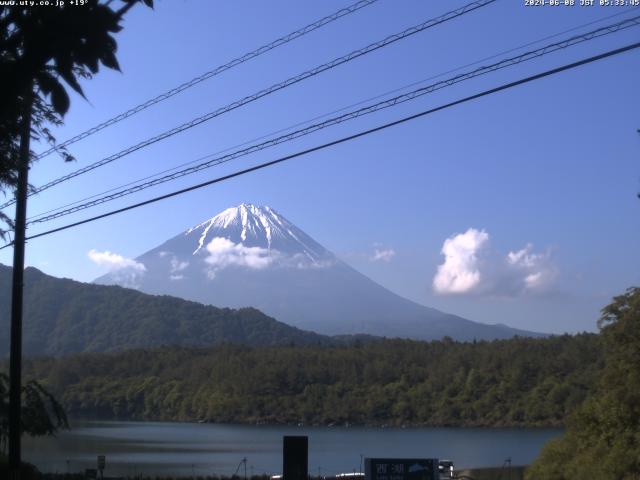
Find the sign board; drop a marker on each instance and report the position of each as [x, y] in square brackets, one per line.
[401, 469]
[102, 461]
[295, 457]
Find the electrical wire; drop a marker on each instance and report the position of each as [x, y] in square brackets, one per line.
[305, 122]
[537, 53]
[261, 166]
[267, 91]
[212, 73]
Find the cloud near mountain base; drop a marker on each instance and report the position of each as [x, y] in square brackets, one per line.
[125, 271]
[222, 253]
[113, 261]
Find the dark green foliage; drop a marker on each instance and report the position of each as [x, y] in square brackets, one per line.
[41, 412]
[40, 48]
[27, 471]
[64, 316]
[603, 435]
[44, 46]
[396, 382]
[493, 473]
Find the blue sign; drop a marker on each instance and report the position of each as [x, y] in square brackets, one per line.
[401, 469]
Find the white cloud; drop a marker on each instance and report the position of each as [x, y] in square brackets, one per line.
[534, 271]
[177, 265]
[223, 253]
[460, 272]
[114, 262]
[383, 255]
[124, 271]
[472, 267]
[303, 262]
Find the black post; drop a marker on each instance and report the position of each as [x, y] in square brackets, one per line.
[15, 359]
[295, 458]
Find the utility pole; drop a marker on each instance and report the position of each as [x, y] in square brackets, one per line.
[15, 358]
[242, 462]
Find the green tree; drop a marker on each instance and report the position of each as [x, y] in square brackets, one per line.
[392, 382]
[42, 414]
[603, 436]
[40, 48]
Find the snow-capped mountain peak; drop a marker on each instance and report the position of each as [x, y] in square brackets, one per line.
[257, 226]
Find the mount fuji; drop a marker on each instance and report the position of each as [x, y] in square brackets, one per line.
[252, 256]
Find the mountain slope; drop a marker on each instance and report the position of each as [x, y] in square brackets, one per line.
[64, 316]
[252, 256]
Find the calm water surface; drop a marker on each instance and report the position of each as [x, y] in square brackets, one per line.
[204, 449]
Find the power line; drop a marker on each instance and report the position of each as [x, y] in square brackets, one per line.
[261, 166]
[305, 122]
[212, 73]
[600, 32]
[267, 91]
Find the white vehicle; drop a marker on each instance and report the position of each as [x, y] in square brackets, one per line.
[445, 468]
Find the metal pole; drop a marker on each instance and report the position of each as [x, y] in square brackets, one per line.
[15, 358]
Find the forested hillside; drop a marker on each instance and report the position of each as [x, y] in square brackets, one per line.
[395, 382]
[602, 439]
[63, 316]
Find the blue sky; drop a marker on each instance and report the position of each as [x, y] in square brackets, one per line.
[548, 172]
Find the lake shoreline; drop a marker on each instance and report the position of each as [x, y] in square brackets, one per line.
[181, 449]
[348, 424]
[516, 472]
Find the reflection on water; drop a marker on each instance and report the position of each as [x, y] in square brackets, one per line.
[206, 449]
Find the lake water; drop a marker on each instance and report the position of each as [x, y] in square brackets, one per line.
[205, 449]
